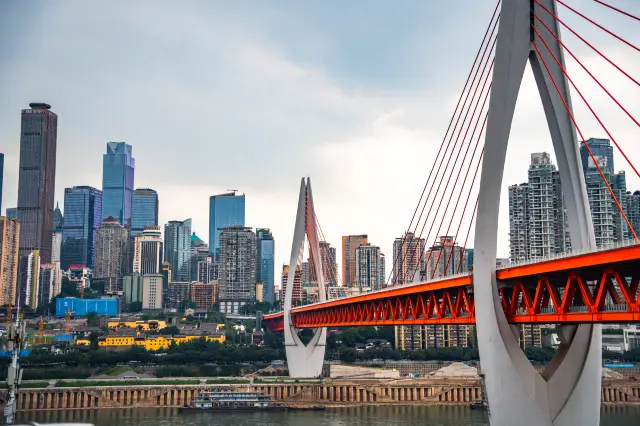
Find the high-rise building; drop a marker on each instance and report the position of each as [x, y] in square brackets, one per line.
[538, 225]
[445, 258]
[50, 282]
[349, 268]
[56, 238]
[446, 336]
[58, 219]
[30, 270]
[408, 259]
[368, 266]
[12, 213]
[329, 265]
[178, 293]
[382, 271]
[9, 247]
[237, 273]
[199, 253]
[118, 166]
[82, 205]
[469, 255]
[144, 210]
[609, 225]
[203, 295]
[36, 189]
[177, 248]
[1, 178]
[132, 288]
[166, 274]
[530, 336]
[112, 254]
[265, 257]
[305, 273]
[152, 292]
[225, 210]
[633, 210]
[147, 251]
[207, 271]
[296, 297]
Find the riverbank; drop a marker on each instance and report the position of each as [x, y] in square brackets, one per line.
[336, 393]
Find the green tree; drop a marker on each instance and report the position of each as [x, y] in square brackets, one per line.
[92, 319]
[348, 355]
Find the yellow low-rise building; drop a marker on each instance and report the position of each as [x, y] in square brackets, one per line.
[138, 325]
[84, 342]
[153, 343]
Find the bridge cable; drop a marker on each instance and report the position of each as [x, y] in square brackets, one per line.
[448, 128]
[473, 216]
[585, 69]
[615, 199]
[486, 78]
[618, 10]
[564, 71]
[611, 33]
[587, 43]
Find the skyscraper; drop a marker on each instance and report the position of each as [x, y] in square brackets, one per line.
[177, 248]
[144, 210]
[265, 256]
[445, 258]
[538, 225]
[37, 180]
[609, 225]
[56, 238]
[147, 251]
[633, 210]
[9, 244]
[349, 245]
[58, 219]
[225, 210]
[30, 270]
[329, 265]
[1, 179]
[408, 259]
[50, 282]
[237, 274]
[118, 167]
[152, 292]
[382, 271]
[111, 254]
[199, 253]
[368, 266]
[82, 208]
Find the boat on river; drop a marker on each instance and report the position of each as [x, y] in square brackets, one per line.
[232, 401]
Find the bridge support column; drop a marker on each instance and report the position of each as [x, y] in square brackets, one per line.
[567, 393]
[304, 361]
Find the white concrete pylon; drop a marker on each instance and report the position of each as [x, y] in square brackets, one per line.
[567, 393]
[304, 361]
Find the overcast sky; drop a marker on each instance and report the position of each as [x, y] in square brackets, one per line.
[253, 95]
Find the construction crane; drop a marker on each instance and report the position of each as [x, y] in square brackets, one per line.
[68, 320]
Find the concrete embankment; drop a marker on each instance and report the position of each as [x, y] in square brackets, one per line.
[329, 393]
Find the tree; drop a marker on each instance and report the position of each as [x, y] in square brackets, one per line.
[135, 307]
[92, 319]
[348, 355]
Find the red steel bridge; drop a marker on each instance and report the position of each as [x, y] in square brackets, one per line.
[596, 287]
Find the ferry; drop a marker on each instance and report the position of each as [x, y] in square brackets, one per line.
[232, 400]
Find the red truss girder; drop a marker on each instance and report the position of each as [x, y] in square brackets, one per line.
[526, 300]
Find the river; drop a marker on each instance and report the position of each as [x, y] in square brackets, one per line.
[360, 416]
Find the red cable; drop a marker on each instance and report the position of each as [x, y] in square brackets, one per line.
[336, 276]
[598, 25]
[457, 180]
[486, 79]
[447, 132]
[587, 43]
[464, 181]
[618, 10]
[615, 199]
[473, 216]
[587, 71]
[466, 203]
[564, 71]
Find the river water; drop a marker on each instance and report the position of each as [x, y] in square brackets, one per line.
[360, 416]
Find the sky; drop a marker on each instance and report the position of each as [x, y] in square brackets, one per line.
[253, 96]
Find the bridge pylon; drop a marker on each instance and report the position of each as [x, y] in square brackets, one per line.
[567, 393]
[304, 360]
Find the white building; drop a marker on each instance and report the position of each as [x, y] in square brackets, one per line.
[152, 287]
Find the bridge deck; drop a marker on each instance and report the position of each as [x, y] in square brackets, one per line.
[594, 287]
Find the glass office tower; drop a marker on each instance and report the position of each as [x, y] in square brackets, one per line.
[265, 258]
[118, 167]
[144, 210]
[177, 249]
[225, 210]
[82, 213]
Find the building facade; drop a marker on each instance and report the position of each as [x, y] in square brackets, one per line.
[350, 244]
[144, 210]
[177, 248]
[37, 179]
[82, 208]
[237, 269]
[178, 293]
[132, 288]
[30, 270]
[152, 292]
[329, 265]
[50, 282]
[147, 251]
[203, 295]
[225, 210]
[445, 258]
[408, 259]
[118, 166]
[199, 253]
[265, 257]
[112, 254]
[368, 266]
[9, 266]
[207, 270]
[296, 298]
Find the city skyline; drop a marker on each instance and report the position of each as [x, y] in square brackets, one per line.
[376, 112]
